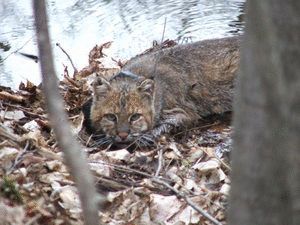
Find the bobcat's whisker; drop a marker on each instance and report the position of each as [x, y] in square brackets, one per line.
[134, 142]
[137, 146]
[145, 140]
[102, 141]
[148, 139]
[140, 141]
[99, 135]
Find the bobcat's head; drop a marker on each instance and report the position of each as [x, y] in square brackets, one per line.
[122, 110]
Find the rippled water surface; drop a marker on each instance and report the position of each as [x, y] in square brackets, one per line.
[132, 25]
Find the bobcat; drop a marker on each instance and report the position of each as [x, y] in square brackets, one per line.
[163, 91]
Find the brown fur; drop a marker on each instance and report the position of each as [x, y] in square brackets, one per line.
[175, 88]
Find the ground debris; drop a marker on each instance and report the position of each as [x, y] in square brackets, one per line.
[163, 185]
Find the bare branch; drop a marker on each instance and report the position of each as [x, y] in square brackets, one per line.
[15, 98]
[74, 156]
[69, 57]
[164, 30]
[160, 162]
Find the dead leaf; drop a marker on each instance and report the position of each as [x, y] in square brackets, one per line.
[11, 215]
[205, 167]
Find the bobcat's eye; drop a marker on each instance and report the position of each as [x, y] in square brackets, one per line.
[135, 117]
[111, 117]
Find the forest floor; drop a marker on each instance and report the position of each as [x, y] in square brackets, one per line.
[183, 180]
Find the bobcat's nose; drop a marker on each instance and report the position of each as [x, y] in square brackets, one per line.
[123, 135]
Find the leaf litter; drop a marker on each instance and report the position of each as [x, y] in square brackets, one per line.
[171, 184]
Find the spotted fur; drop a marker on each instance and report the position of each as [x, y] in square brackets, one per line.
[165, 90]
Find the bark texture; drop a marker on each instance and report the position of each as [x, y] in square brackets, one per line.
[266, 155]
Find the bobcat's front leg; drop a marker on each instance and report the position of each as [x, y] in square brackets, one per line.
[171, 119]
[150, 138]
[162, 129]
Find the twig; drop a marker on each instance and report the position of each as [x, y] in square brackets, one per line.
[74, 156]
[160, 47]
[15, 98]
[119, 63]
[72, 82]
[18, 158]
[128, 170]
[196, 128]
[25, 110]
[111, 183]
[2, 117]
[160, 162]
[18, 48]
[163, 34]
[89, 140]
[188, 201]
[71, 61]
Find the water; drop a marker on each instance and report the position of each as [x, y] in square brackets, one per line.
[132, 25]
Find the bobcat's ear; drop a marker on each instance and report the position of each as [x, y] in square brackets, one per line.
[100, 87]
[146, 87]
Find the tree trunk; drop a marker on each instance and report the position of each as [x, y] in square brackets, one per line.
[266, 155]
[74, 156]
